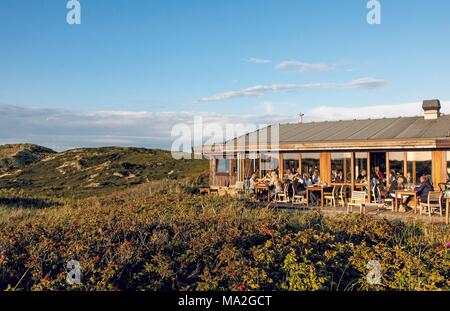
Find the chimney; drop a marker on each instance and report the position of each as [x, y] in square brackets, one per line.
[431, 109]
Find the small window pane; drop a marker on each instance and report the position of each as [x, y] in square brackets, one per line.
[223, 166]
[310, 162]
[396, 165]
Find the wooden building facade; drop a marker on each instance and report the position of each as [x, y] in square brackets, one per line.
[407, 146]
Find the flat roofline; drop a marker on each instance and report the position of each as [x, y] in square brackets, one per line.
[393, 144]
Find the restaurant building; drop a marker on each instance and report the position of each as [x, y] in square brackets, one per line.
[407, 146]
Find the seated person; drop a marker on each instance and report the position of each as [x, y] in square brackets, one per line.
[269, 175]
[315, 179]
[379, 174]
[362, 178]
[275, 184]
[424, 189]
[392, 176]
[299, 175]
[409, 179]
[299, 184]
[307, 180]
[339, 177]
[252, 184]
[289, 176]
[399, 184]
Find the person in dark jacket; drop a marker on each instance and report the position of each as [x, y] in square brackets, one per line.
[425, 187]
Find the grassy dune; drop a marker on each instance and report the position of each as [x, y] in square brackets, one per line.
[97, 171]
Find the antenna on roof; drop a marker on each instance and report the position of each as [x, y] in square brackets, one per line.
[301, 115]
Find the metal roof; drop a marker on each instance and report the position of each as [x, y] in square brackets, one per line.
[402, 128]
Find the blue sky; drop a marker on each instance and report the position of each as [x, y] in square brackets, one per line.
[164, 56]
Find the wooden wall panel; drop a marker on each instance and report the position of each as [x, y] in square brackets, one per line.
[439, 167]
[221, 180]
[325, 167]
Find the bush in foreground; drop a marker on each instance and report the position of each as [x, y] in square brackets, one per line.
[175, 240]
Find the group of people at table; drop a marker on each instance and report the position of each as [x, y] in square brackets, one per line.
[299, 182]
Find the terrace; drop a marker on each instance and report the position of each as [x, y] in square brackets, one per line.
[398, 167]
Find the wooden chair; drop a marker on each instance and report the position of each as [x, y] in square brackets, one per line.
[214, 190]
[358, 199]
[433, 203]
[376, 194]
[240, 189]
[342, 198]
[442, 186]
[331, 196]
[282, 197]
[222, 191]
[389, 203]
[298, 199]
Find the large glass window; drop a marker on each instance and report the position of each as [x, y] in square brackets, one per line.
[223, 166]
[291, 161]
[419, 164]
[396, 165]
[235, 167]
[361, 167]
[269, 163]
[251, 165]
[341, 167]
[310, 162]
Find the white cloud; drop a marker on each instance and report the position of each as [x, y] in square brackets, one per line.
[332, 113]
[258, 61]
[63, 129]
[291, 65]
[259, 90]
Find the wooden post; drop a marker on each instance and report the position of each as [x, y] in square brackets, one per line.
[439, 167]
[405, 164]
[280, 165]
[353, 171]
[388, 171]
[368, 177]
[300, 162]
[325, 167]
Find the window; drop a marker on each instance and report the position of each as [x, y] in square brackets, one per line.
[291, 161]
[361, 167]
[223, 166]
[235, 167]
[251, 165]
[396, 165]
[419, 164]
[269, 163]
[340, 167]
[310, 162]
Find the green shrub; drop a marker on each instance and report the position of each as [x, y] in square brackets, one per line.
[171, 239]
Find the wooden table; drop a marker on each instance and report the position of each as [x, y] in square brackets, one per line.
[360, 186]
[447, 205]
[263, 187]
[205, 190]
[401, 193]
[315, 188]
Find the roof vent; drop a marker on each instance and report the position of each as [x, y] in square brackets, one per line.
[431, 109]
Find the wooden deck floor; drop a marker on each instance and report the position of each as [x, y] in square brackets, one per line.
[370, 210]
